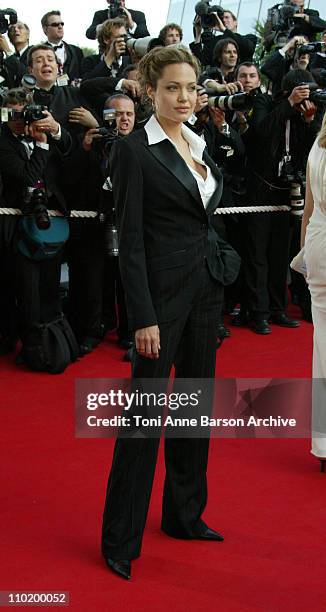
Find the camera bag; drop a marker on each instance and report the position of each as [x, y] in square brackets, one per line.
[50, 347]
[40, 244]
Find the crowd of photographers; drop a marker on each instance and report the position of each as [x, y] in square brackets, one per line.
[61, 113]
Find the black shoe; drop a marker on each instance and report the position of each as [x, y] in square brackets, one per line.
[322, 465]
[240, 320]
[223, 332]
[283, 320]
[204, 533]
[209, 534]
[121, 567]
[87, 345]
[261, 327]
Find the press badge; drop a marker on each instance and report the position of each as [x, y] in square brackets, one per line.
[63, 80]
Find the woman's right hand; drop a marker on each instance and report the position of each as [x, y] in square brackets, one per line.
[147, 341]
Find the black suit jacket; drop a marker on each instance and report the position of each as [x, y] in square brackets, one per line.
[137, 16]
[165, 232]
[19, 172]
[23, 58]
[93, 67]
[74, 58]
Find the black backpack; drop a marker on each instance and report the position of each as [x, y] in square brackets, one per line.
[50, 347]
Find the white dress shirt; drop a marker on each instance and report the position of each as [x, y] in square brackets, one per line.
[156, 134]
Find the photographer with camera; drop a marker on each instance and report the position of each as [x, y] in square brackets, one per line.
[94, 278]
[11, 71]
[32, 148]
[290, 57]
[213, 23]
[278, 142]
[112, 56]
[134, 21]
[96, 91]
[288, 19]
[18, 35]
[225, 60]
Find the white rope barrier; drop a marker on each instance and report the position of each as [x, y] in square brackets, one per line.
[91, 214]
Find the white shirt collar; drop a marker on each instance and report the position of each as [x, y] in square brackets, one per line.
[23, 50]
[156, 134]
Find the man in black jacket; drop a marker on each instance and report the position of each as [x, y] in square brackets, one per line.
[228, 28]
[135, 21]
[112, 57]
[278, 142]
[18, 35]
[306, 22]
[280, 61]
[69, 56]
[31, 157]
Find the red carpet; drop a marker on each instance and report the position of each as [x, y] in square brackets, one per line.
[266, 496]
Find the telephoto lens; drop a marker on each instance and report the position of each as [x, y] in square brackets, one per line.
[238, 102]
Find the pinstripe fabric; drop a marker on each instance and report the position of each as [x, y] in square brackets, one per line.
[190, 343]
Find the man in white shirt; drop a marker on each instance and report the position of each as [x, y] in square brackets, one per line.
[18, 35]
[69, 56]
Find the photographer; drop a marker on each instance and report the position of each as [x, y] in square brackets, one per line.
[113, 56]
[225, 60]
[223, 24]
[318, 60]
[94, 279]
[18, 35]
[278, 142]
[96, 91]
[31, 156]
[11, 71]
[289, 57]
[135, 21]
[171, 34]
[291, 19]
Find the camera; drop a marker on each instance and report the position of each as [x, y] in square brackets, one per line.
[207, 18]
[316, 95]
[115, 9]
[35, 204]
[237, 102]
[6, 14]
[109, 131]
[281, 18]
[31, 112]
[312, 47]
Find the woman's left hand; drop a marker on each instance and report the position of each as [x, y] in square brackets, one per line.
[148, 341]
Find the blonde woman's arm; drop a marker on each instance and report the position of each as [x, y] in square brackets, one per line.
[308, 208]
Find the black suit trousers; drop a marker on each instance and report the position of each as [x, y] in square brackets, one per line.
[188, 342]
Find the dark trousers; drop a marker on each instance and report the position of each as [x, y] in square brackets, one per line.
[190, 343]
[85, 256]
[114, 298]
[38, 290]
[8, 310]
[266, 262]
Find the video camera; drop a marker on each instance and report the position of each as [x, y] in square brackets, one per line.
[4, 23]
[115, 9]
[207, 18]
[29, 114]
[281, 18]
[241, 101]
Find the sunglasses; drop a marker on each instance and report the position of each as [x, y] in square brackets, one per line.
[56, 24]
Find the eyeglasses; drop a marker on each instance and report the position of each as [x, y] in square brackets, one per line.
[56, 24]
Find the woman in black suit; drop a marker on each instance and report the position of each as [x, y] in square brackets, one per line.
[173, 266]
